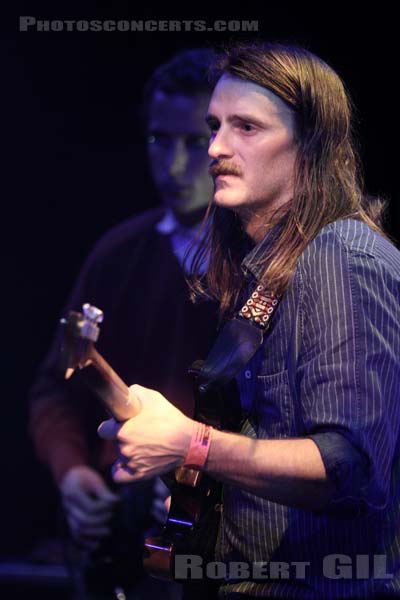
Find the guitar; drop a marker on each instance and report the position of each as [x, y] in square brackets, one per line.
[192, 522]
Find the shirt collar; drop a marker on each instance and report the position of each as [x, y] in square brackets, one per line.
[169, 225]
[252, 264]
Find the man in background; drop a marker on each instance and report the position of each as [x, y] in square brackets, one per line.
[151, 331]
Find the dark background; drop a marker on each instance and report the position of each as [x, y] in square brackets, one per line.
[74, 165]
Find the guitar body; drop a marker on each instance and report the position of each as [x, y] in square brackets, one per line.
[193, 520]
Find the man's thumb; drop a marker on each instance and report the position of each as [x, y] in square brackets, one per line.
[108, 429]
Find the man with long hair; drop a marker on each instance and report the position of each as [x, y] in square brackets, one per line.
[311, 483]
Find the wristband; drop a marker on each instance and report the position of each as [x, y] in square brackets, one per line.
[199, 447]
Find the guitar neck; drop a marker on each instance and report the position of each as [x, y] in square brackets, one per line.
[101, 378]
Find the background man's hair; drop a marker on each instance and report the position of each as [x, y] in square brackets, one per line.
[185, 73]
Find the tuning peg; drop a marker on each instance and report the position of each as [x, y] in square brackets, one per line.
[92, 313]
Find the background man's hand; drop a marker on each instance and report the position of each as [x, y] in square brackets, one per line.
[89, 505]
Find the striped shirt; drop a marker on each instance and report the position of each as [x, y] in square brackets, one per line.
[329, 369]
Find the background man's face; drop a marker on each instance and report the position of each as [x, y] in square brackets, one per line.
[252, 146]
[177, 149]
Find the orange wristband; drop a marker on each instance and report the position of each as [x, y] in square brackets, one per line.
[199, 447]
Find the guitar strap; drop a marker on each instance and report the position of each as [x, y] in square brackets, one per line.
[237, 343]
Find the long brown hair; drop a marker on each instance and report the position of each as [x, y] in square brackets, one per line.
[327, 182]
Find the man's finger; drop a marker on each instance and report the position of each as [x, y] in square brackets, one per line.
[121, 473]
[160, 489]
[107, 496]
[83, 532]
[85, 518]
[159, 511]
[88, 503]
[108, 429]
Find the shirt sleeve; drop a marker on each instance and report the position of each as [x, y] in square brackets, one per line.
[56, 417]
[349, 369]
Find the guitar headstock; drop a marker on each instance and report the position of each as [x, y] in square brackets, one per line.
[80, 332]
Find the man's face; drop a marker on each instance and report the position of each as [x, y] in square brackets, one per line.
[252, 146]
[177, 148]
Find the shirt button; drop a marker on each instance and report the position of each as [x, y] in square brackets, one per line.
[247, 374]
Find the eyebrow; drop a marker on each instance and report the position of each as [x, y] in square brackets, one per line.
[210, 119]
[173, 131]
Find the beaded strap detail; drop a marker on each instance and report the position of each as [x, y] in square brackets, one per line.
[259, 307]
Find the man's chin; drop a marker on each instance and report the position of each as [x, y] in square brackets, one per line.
[227, 199]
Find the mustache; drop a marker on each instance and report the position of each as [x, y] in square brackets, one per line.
[223, 167]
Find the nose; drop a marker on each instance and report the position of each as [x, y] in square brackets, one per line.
[178, 159]
[219, 146]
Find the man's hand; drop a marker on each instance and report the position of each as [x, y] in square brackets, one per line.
[89, 505]
[152, 443]
[161, 501]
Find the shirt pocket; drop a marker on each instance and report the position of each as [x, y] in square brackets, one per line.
[274, 410]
